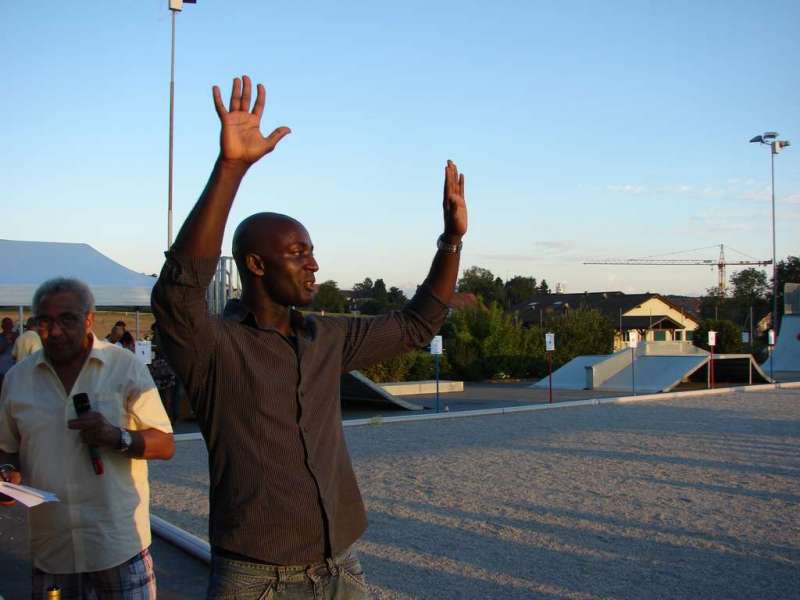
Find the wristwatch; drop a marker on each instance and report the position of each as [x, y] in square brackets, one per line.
[125, 440]
[449, 248]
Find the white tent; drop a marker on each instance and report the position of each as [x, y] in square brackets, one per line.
[25, 265]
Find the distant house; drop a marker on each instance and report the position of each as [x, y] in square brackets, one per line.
[653, 316]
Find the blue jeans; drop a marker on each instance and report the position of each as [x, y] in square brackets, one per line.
[339, 578]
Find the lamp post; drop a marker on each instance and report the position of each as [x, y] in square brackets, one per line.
[770, 138]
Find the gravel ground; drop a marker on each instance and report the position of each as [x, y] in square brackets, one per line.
[689, 498]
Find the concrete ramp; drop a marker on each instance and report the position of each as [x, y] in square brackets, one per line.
[571, 376]
[357, 386]
[786, 355]
[654, 373]
[658, 367]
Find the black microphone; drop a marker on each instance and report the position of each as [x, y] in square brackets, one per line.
[81, 402]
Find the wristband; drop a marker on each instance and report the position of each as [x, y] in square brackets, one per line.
[448, 248]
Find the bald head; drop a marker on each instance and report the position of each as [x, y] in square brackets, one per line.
[259, 233]
[275, 258]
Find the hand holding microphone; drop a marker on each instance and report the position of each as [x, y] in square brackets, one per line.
[94, 429]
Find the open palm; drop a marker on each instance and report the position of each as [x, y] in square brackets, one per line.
[240, 138]
[454, 203]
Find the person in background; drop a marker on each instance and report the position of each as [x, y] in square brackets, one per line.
[30, 341]
[165, 379]
[127, 341]
[115, 335]
[7, 338]
[94, 542]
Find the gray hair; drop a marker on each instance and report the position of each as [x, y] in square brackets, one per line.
[64, 284]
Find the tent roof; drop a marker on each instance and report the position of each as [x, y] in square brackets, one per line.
[26, 265]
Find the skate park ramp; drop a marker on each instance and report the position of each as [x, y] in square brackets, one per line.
[786, 354]
[358, 388]
[572, 376]
[657, 367]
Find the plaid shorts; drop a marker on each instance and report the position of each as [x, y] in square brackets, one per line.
[134, 579]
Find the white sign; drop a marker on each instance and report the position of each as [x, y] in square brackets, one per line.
[745, 337]
[549, 342]
[436, 345]
[144, 351]
[771, 337]
[633, 339]
[712, 338]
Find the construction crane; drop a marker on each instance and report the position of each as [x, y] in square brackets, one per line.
[721, 263]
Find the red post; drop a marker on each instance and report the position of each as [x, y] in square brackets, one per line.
[550, 375]
[711, 367]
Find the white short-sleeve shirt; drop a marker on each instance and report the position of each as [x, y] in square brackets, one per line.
[101, 520]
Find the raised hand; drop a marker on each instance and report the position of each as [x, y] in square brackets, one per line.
[241, 140]
[454, 204]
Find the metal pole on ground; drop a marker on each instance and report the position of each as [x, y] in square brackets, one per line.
[171, 132]
[436, 362]
[633, 369]
[771, 345]
[770, 138]
[712, 341]
[436, 350]
[549, 347]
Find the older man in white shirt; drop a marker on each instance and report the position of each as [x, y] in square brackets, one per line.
[95, 541]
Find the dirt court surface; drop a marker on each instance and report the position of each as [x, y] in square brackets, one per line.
[689, 498]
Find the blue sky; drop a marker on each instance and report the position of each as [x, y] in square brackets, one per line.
[585, 130]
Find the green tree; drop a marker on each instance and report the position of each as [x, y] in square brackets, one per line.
[714, 305]
[750, 285]
[482, 283]
[329, 298]
[543, 287]
[379, 292]
[729, 336]
[750, 291]
[519, 289]
[363, 289]
[395, 299]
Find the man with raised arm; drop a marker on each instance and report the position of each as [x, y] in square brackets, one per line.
[285, 507]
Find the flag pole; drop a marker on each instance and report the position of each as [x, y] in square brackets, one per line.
[171, 130]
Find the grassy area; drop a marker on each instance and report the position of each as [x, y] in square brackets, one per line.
[103, 321]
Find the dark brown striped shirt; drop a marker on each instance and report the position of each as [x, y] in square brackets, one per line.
[283, 489]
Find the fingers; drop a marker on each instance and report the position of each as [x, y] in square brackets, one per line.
[236, 95]
[446, 199]
[461, 185]
[218, 105]
[276, 136]
[261, 99]
[246, 88]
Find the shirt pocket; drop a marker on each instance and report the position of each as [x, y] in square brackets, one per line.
[112, 406]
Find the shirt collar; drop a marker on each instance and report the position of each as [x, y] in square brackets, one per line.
[236, 310]
[99, 351]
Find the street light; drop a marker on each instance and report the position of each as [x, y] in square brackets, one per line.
[770, 138]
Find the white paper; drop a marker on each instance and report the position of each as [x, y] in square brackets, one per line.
[549, 342]
[712, 338]
[436, 345]
[633, 339]
[28, 496]
[144, 351]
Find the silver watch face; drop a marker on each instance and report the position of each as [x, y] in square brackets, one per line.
[125, 440]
